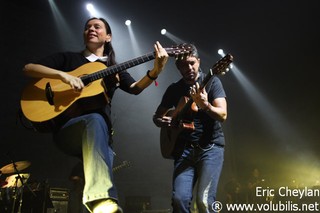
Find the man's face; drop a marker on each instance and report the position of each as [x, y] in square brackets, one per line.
[189, 69]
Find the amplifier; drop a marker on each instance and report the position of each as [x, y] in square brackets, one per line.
[60, 200]
[59, 194]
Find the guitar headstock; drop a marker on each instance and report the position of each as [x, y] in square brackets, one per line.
[126, 163]
[179, 51]
[222, 66]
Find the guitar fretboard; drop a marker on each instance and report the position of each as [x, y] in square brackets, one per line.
[117, 68]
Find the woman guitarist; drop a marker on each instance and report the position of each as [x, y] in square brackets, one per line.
[88, 135]
[199, 148]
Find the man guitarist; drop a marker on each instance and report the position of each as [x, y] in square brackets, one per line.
[199, 148]
[88, 135]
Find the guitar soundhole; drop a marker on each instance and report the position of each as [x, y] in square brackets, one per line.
[49, 94]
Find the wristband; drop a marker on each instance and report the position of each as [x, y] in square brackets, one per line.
[150, 77]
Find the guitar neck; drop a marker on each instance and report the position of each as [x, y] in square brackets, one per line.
[121, 166]
[187, 106]
[172, 51]
[117, 68]
[206, 79]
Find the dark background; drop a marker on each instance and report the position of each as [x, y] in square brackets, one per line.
[273, 109]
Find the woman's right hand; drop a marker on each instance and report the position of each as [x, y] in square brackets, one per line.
[75, 82]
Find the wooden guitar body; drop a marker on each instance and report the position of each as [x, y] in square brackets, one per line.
[168, 141]
[48, 101]
[169, 135]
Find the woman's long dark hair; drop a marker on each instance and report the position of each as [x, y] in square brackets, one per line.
[108, 49]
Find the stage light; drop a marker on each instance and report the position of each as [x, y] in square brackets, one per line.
[128, 22]
[163, 31]
[172, 37]
[221, 52]
[91, 9]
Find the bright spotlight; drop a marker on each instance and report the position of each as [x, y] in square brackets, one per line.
[163, 31]
[128, 22]
[90, 7]
[221, 52]
[91, 10]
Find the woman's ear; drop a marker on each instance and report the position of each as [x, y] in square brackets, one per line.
[108, 38]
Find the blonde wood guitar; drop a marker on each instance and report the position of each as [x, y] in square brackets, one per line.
[46, 102]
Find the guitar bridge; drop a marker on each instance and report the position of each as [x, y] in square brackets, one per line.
[49, 94]
[187, 125]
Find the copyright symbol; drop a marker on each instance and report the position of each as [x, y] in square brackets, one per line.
[216, 206]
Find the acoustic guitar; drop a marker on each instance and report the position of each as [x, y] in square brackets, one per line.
[169, 135]
[46, 102]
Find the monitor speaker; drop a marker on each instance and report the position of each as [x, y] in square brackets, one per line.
[60, 200]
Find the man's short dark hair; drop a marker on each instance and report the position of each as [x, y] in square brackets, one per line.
[193, 53]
